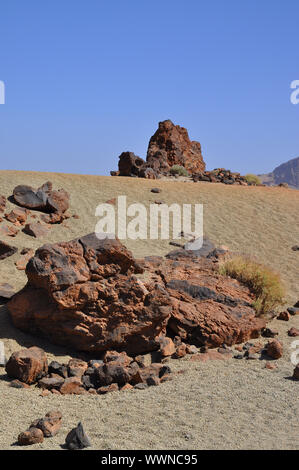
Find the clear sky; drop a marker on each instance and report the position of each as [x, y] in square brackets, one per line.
[86, 80]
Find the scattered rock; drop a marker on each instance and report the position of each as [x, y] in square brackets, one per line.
[293, 332]
[10, 231]
[167, 347]
[296, 372]
[36, 229]
[27, 365]
[18, 384]
[43, 199]
[77, 439]
[211, 356]
[107, 389]
[293, 310]
[51, 382]
[17, 216]
[2, 203]
[30, 437]
[156, 190]
[270, 365]
[285, 316]
[72, 385]
[50, 424]
[269, 333]
[274, 349]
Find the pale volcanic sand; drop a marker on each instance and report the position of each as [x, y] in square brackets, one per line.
[235, 404]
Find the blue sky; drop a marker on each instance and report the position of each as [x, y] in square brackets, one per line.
[86, 80]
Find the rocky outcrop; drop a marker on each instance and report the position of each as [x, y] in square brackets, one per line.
[220, 175]
[170, 145]
[93, 295]
[43, 199]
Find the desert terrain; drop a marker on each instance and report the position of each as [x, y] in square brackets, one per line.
[234, 404]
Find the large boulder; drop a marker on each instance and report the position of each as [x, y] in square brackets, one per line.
[84, 294]
[170, 145]
[42, 199]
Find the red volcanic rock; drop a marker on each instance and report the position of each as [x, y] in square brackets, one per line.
[293, 332]
[129, 164]
[274, 349]
[32, 436]
[167, 347]
[72, 385]
[10, 231]
[285, 316]
[27, 365]
[211, 356]
[2, 203]
[84, 294]
[17, 216]
[170, 145]
[23, 260]
[49, 425]
[87, 298]
[36, 229]
[44, 198]
[6, 250]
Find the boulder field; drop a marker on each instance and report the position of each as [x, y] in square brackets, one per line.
[94, 296]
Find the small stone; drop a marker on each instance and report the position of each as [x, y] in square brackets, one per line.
[36, 229]
[126, 387]
[77, 438]
[156, 190]
[293, 310]
[18, 384]
[50, 424]
[253, 356]
[107, 389]
[285, 316]
[72, 385]
[44, 393]
[270, 366]
[274, 349]
[141, 386]
[51, 382]
[6, 250]
[152, 381]
[293, 332]
[191, 349]
[32, 436]
[269, 333]
[165, 378]
[296, 372]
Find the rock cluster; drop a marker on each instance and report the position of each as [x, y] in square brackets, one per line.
[93, 295]
[42, 199]
[115, 371]
[169, 146]
[220, 175]
[40, 428]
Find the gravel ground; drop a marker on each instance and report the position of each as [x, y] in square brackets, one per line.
[234, 404]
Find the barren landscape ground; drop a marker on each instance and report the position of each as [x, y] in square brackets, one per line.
[234, 404]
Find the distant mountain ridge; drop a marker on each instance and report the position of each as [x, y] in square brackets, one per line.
[287, 172]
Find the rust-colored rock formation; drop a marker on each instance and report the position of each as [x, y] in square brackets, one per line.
[93, 295]
[170, 145]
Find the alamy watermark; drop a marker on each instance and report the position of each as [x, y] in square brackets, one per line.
[295, 94]
[160, 221]
[2, 92]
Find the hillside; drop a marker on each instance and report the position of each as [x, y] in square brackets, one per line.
[285, 173]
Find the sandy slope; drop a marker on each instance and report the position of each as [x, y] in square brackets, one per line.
[234, 404]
